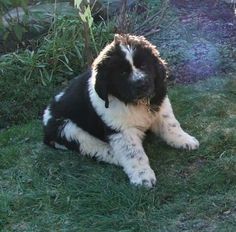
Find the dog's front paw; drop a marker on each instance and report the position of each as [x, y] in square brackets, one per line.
[185, 141]
[143, 176]
[191, 143]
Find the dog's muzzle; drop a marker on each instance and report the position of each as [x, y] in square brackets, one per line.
[143, 88]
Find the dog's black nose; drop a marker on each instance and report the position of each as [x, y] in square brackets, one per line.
[142, 84]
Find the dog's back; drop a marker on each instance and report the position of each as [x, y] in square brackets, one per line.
[71, 105]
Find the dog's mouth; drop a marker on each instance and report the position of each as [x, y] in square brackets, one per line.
[134, 94]
[145, 94]
[144, 98]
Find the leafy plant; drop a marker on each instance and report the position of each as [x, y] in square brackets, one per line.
[85, 15]
[60, 54]
[14, 26]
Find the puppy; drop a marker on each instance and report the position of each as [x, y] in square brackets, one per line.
[105, 112]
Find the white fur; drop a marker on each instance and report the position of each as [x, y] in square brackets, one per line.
[89, 145]
[58, 96]
[128, 149]
[136, 73]
[46, 116]
[128, 53]
[59, 146]
[133, 121]
[167, 127]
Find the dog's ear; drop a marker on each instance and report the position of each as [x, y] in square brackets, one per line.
[101, 87]
[160, 82]
[161, 69]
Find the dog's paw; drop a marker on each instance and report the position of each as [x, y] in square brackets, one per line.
[191, 143]
[185, 141]
[143, 177]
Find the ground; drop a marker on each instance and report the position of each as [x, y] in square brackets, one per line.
[42, 189]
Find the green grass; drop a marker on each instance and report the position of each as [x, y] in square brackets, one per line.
[42, 189]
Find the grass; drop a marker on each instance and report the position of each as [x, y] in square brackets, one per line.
[42, 189]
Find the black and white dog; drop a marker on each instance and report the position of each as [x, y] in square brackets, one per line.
[105, 112]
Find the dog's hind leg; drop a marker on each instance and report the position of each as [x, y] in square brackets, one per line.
[169, 129]
[87, 144]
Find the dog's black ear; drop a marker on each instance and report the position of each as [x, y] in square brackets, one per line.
[160, 82]
[101, 87]
[161, 69]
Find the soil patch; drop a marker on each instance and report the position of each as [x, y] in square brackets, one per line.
[203, 42]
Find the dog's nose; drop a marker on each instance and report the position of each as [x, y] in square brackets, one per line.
[142, 84]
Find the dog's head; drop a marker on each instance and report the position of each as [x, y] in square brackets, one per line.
[130, 69]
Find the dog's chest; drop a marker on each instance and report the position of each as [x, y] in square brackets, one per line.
[121, 117]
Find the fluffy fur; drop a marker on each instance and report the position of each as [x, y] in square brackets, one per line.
[106, 112]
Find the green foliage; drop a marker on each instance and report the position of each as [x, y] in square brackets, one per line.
[51, 190]
[60, 53]
[13, 27]
[85, 15]
[60, 56]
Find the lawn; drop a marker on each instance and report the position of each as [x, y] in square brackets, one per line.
[42, 189]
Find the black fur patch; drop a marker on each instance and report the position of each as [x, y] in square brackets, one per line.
[74, 105]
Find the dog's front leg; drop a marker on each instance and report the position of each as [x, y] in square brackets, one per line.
[128, 150]
[169, 129]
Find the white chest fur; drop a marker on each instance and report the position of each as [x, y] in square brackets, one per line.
[119, 115]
